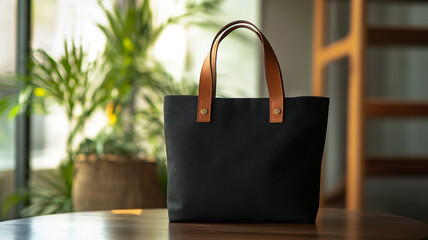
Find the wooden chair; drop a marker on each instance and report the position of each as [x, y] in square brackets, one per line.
[360, 107]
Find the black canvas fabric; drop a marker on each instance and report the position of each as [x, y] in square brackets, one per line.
[240, 167]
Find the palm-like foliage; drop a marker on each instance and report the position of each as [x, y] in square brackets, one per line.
[71, 82]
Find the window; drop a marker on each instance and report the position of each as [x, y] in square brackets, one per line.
[7, 66]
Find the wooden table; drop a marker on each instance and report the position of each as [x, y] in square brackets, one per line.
[153, 224]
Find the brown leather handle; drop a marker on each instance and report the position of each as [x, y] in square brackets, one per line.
[215, 50]
[272, 69]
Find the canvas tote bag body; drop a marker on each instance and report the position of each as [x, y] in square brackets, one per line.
[244, 159]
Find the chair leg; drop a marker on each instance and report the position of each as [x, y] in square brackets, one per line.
[356, 124]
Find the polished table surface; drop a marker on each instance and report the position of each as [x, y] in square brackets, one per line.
[153, 224]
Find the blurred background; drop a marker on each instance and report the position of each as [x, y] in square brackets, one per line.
[95, 73]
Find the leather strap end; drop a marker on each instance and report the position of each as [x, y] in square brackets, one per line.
[205, 95]
[276, 118]
[276, 110]
[203, 117]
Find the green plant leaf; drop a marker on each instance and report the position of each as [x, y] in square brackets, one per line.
[14, 112]
[6, 103]
[11, 201]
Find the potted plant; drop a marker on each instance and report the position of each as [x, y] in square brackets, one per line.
[113, 83]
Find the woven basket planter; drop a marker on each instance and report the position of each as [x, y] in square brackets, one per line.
[115, 183]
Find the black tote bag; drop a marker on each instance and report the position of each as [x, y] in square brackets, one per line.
[244, 159]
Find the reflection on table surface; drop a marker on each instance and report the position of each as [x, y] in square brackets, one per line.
[153, 224]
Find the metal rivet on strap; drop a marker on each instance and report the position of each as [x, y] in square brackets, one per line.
[277, 111]
[204, 111]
